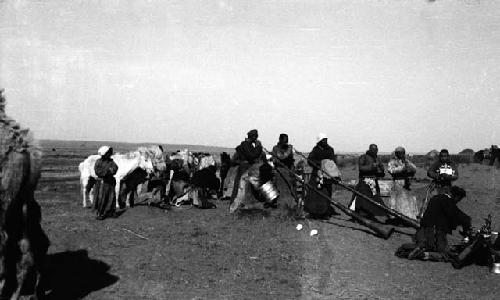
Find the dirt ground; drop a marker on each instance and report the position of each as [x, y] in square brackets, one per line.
[189, 253]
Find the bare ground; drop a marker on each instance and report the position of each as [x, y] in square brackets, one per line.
[186, 253]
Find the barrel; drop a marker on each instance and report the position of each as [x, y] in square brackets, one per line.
[269, 191]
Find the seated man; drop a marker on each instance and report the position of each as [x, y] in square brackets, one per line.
[441, 218]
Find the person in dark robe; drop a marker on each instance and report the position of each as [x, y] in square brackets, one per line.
[248, 153]
[443, 172]
[370, 166]
[316, 205]
[105, 169]
[283, 157]
[441, 217]
[370, 169]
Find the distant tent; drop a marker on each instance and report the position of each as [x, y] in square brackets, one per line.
[466, 152]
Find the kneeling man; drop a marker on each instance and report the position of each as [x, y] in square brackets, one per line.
[441, 217]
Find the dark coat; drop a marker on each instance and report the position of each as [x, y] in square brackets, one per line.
[442, 212]
[105, 202]
[319, 153]
[433, 173]
[366, 166]
[206, 178]
[250, 152]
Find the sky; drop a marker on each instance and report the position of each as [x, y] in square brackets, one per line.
[420, 74]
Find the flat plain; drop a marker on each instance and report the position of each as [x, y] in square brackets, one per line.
[190, 253]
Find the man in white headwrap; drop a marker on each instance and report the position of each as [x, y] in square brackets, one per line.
[105, 169]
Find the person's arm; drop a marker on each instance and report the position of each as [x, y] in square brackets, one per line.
[455, 173]
[432, 173]
[380, 170]
[332, 156]
[113, 168]
[411, 169]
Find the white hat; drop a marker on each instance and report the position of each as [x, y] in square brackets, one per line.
[321, 136]
[103, 150]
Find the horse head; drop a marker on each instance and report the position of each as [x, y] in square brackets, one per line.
[146, 164]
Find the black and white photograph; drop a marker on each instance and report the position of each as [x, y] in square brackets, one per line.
[249, 149]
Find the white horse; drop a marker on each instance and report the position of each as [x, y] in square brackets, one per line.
[155, 154]
[126, 163]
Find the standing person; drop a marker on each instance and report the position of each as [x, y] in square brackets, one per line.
[371, 168]
[285, 182]
[249, 152]
[316, 205]
[401, 168]
[283, 151]
[105, 169]
[401, 197]
[443, 172]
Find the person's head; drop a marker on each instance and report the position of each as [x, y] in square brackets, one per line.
[400, 152]
[373, 149]
[457, 193]
[444, 156]
[322, 139]
[283, 139]
[253, 135]
[105, 151]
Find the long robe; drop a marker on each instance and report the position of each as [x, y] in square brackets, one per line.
[314, 203]
[105, 202]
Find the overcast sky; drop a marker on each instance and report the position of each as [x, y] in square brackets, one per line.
[419, 74]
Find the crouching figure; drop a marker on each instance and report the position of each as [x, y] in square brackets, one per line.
[441, 217]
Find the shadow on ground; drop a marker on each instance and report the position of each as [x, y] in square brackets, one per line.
[73, 275]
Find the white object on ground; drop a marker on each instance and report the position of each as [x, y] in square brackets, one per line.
[299, 227]
[314, 232]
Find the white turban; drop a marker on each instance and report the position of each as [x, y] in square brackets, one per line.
[321, 136]
[103, 150]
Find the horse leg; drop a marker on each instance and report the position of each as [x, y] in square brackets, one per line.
[90, 190]
[117, 192]
[84, 184]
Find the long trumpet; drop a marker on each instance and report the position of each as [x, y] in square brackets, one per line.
[408, 221]
[382, 230]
